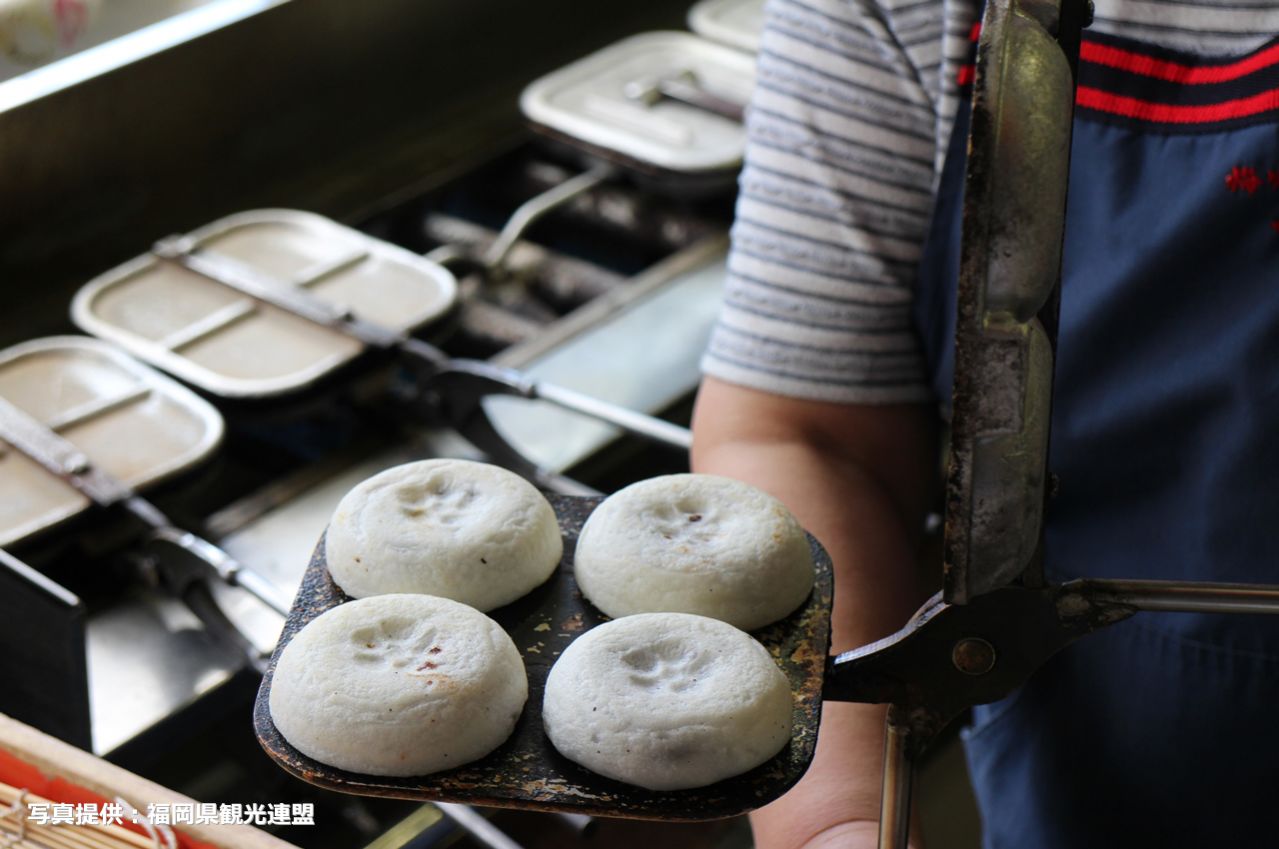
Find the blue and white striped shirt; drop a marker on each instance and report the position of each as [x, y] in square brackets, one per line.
[847, 131]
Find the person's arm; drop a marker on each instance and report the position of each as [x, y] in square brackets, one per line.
[858, 478]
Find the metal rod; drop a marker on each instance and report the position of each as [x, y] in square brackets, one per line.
[477, 826]
[899, 773]
[227, 568]
[536, 207]
[1184, 597]
[639, 424]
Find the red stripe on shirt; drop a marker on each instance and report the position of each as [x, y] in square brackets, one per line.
[1162, 69]
[1164, 113]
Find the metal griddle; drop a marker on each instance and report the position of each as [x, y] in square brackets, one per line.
[451, 388]
[526, 772]
[605, 106]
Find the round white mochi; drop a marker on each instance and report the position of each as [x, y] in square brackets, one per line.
[468, 531]
[398, 685]
[694, 544]
[667, 701]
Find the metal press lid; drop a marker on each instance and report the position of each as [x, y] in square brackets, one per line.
[594, 100]
[128, 420]
[234, 345]
[737, 23]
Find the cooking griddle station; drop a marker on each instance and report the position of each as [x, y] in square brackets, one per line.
[997, 619]
[526, 772]
[265, 302]
[82, 425]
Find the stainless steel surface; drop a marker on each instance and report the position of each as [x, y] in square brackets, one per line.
[586, 103]
[149, 656]
[263, 132]
[737, 23]
[654, 331]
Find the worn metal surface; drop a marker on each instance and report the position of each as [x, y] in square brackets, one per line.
[1013, 222]
[526, 771]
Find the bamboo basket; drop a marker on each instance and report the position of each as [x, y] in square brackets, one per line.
[50, 770]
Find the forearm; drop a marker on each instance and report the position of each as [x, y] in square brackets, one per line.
[863, 500]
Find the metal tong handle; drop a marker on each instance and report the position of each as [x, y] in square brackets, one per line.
[465, 383]
[535, 208]
[937, 666]
[227, 568]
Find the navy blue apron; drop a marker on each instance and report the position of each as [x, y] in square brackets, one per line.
[1164, 730]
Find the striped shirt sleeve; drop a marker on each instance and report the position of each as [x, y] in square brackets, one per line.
[853, 102]
[849, 123]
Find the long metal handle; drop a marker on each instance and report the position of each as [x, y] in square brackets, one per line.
[637, 423]
[1181, 596]
[225, 567]
[463, 384]
[199, 599]
[899, 775]
[535, 208]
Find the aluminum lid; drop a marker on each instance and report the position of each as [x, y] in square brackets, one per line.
[232, 345]
[737, 23]
[594, 100]
[130, 421]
